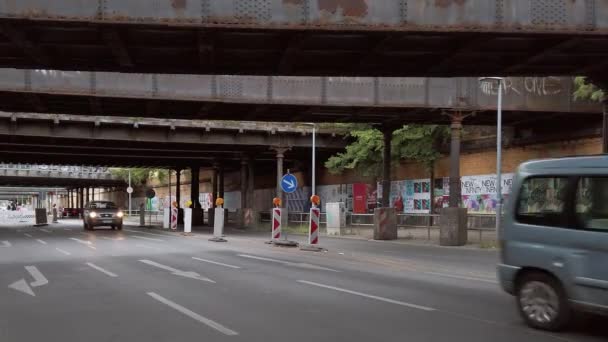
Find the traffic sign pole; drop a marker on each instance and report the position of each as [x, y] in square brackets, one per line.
[129, 188]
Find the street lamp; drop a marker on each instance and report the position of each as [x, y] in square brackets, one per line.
[314, 156]
[493, 81]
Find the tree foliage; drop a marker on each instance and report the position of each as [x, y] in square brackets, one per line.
[583, 90]
[140, 176]
[411, 142]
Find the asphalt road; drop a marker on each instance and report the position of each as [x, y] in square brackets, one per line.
[60, 283]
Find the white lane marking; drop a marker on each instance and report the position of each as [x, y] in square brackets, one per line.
[91, 247]
[175, 271]
[288, 263]
[5, 244]
[41, 241]
[62, 251]
[66, 229]
[39, 279]
[215, 263]
[148, 247]
[462, 277]
[106, 272]
[113, 239]
[81, 241]
[146, 238]
[140, 232]
[22, 286]
[194, 315]
[28, 235]
[382, 299]
[45, 230]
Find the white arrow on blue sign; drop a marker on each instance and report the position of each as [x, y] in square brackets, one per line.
[289, 183]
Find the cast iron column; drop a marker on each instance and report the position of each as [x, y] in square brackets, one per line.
[178, 187]
[455, 191]
[250, 184]
[194, 186]
[244, 202]
[387, 132]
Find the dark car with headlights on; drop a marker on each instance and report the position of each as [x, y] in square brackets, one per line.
[102, 213]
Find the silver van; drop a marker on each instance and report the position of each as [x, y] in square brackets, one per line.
[554, 240]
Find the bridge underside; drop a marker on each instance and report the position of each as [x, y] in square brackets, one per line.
[232, 51]
[58, 182]
[212, 110]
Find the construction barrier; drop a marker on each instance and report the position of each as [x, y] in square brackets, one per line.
[174, 213]
[276, 224]
[313, 227]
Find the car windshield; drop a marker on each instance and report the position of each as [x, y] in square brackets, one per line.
[103, 205]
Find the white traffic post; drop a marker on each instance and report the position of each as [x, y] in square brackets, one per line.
[218, 224]
[166, 218]
[187, 220]
[174, 213]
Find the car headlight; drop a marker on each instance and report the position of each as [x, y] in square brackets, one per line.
[119, 214]
[93, 214]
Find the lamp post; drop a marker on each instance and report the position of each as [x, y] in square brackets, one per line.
[500, 81]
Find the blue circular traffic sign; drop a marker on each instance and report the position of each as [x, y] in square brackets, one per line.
[289, 183]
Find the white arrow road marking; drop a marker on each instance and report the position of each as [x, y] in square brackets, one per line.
[146, 238]
[45, 230]
[106, 272]
[62, 251]
[216, 263]
[21, 286]
[41, 241]
[382, 299]
[81, 241]
[194, 315]
[5, 244]
[175, 271]
[287, 263]
[28, 235]
[39, 279]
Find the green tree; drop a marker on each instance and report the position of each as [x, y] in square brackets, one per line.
[411, 142]
[140, 176]
[583, 90]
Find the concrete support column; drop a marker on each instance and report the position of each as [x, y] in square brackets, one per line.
[92, 194]
[87, 194]
[69, 198]
[387, 132]
[453, 224]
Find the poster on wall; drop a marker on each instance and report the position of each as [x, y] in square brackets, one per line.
[417, 196]
[479, 192]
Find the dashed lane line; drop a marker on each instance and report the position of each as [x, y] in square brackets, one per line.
[41, 241]
[146, 238]
[365, 295]
[27, 235]
[62, 251]
[210, 323]
[104, 271]
[216, 263]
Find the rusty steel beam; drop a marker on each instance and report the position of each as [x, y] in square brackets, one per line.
[20, 39]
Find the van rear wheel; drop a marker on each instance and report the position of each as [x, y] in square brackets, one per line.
[542, 302]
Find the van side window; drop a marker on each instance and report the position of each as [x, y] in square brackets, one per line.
[592, 203]
[541, 201]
